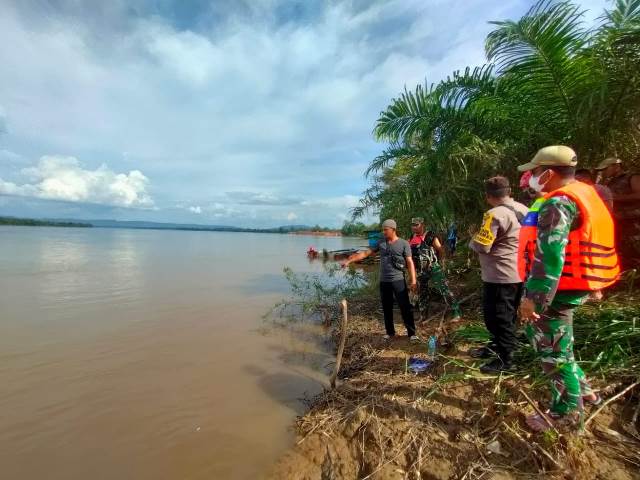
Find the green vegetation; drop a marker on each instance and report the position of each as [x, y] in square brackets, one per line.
[29, 222]
[318, 228]
[318, 295]
[607, 339]
[358, 229]
[548, 80]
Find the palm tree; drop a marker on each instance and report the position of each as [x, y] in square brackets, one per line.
[548, 79]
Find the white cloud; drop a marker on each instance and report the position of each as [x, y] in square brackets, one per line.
[344, 201]
[291, 216]
[232, 97]
[196, 209]
[192, 57]
[63, 178]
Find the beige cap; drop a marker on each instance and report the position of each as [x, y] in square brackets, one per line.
[553, 156]
[607, 162]
[417, 220]
[390, 224]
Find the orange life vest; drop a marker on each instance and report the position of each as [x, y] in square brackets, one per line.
[591, 261]
[527, 239]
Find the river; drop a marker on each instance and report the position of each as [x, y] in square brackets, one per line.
[141, 353]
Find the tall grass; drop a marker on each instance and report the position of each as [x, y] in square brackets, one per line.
[607, 340]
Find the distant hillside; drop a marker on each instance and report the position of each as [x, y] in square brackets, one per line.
[192, 226]
[142, 225]
[30, 222]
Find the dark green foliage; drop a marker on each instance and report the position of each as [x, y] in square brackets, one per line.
[29, 222]
[357, 229]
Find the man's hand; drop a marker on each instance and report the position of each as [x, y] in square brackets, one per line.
[528, 311]
[413, 286]
[596, 296]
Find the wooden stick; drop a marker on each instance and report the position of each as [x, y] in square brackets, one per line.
[533, 446]
[343, 338]
[538, 411]
[612, 399]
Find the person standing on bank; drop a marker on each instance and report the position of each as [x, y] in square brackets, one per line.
[625, 187]
[574, 255]
[428, 259]
[496, 244]
[395, 258]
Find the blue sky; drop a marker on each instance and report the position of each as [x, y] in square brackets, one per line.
[237, 112]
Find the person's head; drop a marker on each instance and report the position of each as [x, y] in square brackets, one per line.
[551, 168]
[417, 225]
[610, 167]
[528, 192]
[584, 175]
[389, 228]
[497, 189]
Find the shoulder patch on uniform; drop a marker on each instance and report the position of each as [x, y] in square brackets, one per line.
[485, 236]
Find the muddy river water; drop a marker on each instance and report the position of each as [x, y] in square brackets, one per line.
[141, 353]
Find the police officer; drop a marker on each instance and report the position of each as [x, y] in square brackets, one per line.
[496, 244]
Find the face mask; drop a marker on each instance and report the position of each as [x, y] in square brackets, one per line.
[535, 184]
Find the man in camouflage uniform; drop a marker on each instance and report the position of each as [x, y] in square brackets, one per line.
[548, 313]
[428, 258]
[626, 209]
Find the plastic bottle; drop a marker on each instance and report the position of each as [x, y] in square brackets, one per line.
[431, 347]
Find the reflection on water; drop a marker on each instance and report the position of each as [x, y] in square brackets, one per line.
[135, 354]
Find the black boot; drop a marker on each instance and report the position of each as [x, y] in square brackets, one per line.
[488, 351]
[497, 366]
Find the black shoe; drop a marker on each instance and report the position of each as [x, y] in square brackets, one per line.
[496, 366]
[482, 352]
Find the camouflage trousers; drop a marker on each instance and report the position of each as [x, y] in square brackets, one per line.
[552, 337]
[435, 279]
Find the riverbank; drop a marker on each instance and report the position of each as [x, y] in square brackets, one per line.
[313, 233]
[383, 422]
[30, 222]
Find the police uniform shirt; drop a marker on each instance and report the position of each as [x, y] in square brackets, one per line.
[496, 243]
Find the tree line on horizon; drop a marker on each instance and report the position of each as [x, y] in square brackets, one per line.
[549, 79]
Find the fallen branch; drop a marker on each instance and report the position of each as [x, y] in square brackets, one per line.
[533, 446]
[343, 338]
[612, 399]
[538, 411]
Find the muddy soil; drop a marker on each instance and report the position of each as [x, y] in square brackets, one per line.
[452, 422]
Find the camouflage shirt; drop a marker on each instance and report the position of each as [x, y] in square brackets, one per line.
[556, 218]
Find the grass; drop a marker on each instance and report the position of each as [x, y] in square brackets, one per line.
[607, 340]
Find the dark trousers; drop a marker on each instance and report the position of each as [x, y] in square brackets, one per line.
[500, 306]
[399, 290]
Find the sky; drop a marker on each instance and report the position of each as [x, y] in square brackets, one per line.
[252, 113]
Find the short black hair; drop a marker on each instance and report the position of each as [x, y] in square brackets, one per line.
[497, 187]
[564, 171]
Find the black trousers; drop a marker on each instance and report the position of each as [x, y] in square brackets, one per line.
[500, 306]
[399, 290]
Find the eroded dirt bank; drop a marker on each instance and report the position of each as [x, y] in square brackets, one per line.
[383, 422]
